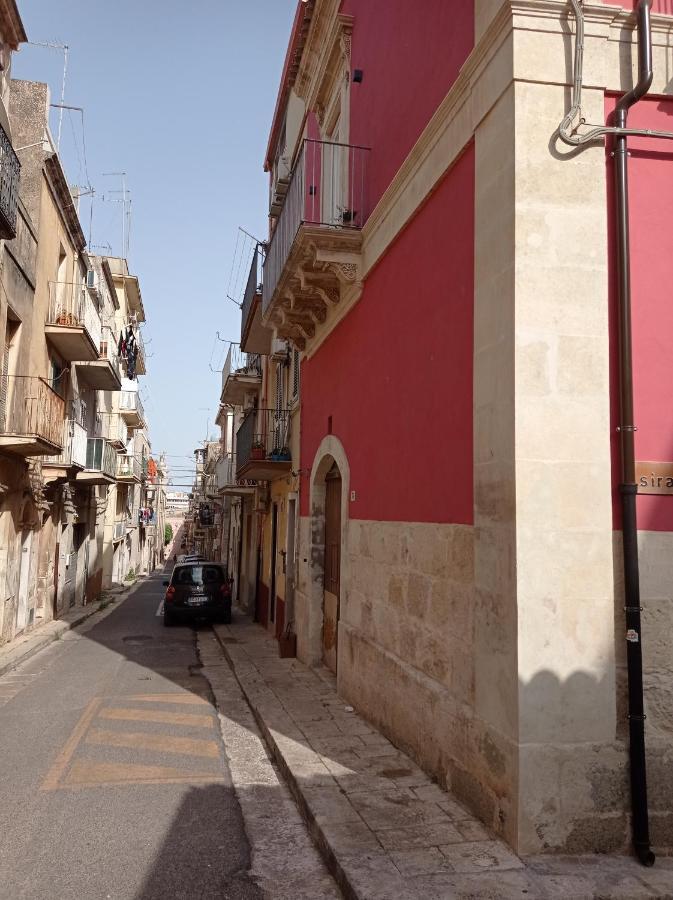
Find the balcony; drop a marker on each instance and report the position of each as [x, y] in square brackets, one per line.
[313, 261]
[73, 454]
[103, 374]
[262, 445]
[131, 409]
[31, 417]
[10, 171]
[101, 463]
[147, 517]
[113, 428]
[255, 338]
[227, 483]
[128, 468]
[242, 373]
[73, 323]
[119, 530]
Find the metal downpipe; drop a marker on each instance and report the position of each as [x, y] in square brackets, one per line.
[628, 486]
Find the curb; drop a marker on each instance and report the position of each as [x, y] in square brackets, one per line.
[329, 857]
[17, 655]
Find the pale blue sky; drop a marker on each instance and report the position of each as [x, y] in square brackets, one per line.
[179, 95]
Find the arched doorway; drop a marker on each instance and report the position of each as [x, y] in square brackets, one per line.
[332, 577]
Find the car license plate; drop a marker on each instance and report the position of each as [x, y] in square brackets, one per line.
[197, 601]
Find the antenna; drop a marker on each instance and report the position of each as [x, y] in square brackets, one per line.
[53, 45]
[126, 210]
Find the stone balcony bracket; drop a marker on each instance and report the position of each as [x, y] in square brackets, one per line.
[322, 272]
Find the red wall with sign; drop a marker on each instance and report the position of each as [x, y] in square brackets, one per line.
[651, 229]
[396, 375]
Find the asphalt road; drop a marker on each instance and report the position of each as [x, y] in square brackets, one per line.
[114, 781]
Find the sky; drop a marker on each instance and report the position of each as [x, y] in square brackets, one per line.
[180, 96]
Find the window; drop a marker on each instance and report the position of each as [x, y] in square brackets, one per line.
[57, 377]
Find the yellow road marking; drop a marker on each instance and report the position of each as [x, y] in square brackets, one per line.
[164, 743]
[153, 715]
[90, 773]
[187, 699]
[53, 777]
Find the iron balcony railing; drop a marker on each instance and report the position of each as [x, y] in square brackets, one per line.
[328, 187]
[72, 305]
[264, 434]
[30, 407]
[252, 288]
[130, 401]
[74, 446]
[128, 466]
[147, 517]
[101, 457]
[108, 350]
[239, 363]
[10, 173]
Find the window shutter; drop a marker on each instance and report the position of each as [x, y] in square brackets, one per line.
[295, 374]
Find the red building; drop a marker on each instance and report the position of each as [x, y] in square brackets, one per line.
[443, 531]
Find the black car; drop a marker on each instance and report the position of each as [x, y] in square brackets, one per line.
[198, 590]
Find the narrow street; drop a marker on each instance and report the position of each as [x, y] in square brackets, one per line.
[115, 780]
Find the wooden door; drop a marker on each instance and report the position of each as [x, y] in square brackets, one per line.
[331, 595]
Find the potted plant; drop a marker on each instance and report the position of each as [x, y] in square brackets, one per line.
[284, 454]
[257, 451]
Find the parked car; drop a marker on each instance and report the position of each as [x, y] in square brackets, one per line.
[198, 590]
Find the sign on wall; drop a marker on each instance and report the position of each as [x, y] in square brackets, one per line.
[654, 477]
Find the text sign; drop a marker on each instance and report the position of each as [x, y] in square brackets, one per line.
[654, 477]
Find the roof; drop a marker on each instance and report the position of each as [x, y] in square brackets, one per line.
[11, 25]
[300, 27]
[54, 170]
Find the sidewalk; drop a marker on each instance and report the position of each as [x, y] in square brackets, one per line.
[23, 648]
[386, 831]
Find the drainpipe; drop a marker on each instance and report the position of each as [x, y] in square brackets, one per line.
[628, 487]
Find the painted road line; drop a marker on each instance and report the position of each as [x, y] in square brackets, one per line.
[160, 609]
[51, 782]
[88, 773]
[163, 743]
[186, 699]
[153, 715]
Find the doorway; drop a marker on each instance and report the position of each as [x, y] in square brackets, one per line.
[24, 578]
[274, 551]
[290, 561]
[332, 583]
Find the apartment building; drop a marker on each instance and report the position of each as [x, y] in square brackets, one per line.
[443, 279]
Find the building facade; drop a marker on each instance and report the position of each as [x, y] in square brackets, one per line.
[438, 521]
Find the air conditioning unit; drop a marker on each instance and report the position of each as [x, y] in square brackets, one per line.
[92, 279]
[280, 350]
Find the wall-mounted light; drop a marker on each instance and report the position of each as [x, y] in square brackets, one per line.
[357, 76]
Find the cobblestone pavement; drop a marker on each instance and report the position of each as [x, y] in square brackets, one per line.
[387, 831]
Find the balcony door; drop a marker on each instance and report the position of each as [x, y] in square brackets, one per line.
[332, 583]
[333, 179]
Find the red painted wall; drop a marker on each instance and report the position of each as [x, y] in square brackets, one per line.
[651, 229]
[396, 374]
[658, 6]
[410, 54]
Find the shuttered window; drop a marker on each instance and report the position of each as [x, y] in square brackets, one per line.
[295, 374]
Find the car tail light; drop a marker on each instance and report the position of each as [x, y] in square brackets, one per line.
[170, 593]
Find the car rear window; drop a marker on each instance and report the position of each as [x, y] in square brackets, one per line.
[197, 575]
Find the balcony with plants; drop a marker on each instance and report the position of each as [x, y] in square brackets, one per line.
[73, 323]
[263, 445]
[313, 260]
